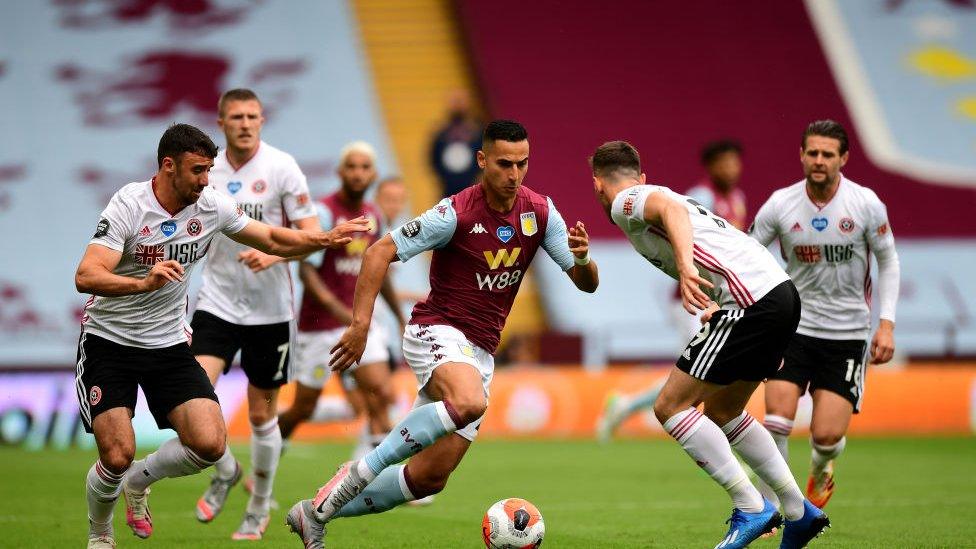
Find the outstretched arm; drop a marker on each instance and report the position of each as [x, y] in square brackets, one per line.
[663, 212]
[376, 262]
[258, 261]
[287, 242]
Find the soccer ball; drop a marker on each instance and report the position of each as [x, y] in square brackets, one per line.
[513, 523]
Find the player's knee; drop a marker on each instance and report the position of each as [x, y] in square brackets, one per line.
[260, 417]
[720, 415]
[429, 482]
[118, 459]
[826, 437]
[664, 408]
[209, 448]
[468, 407]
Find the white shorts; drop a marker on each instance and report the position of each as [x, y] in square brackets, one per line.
[426, 347]
[311, 366]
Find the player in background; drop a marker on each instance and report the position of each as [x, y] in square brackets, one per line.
[751, 312]
[245, 303]
[330, 283]
[827, 227]
[134, 333]
[484, 239]
[719, 193]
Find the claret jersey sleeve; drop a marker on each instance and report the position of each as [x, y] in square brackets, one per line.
[556, 241]
[432, 229]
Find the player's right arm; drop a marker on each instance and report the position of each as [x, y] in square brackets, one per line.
[95, 274]
[764, 226]
[661, 211]
[433, 229]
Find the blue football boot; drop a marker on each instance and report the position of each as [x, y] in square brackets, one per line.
[798, 533]
[746, 527]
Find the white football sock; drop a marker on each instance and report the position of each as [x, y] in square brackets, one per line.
[172, 459]
[706, 444]
[756, 447]
[265, 453]
[103, 488]
[821, 455]
[330, 408]
[227, 465]
[780, 428]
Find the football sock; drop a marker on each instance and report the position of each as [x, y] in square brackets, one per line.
[419, 429]
[780, 428]
[756, 447]
[389, 489]
[103, 488]
[265, 452]
[226, 466]
[707, 445]
[643, 401]
[332, 409]
[821, 455]
[363, 442]
[172, 459]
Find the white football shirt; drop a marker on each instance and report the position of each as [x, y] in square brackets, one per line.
[271, 188]
[741, 270]
[827, 254]
[136, 224]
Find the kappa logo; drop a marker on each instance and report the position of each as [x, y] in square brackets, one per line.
[502, 256]
[478, 229]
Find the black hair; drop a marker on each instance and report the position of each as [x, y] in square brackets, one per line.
[826, 128]
[504, 130]
[184, 138]
[713, 149]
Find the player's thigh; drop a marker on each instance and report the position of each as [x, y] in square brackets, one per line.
[431, 467]
[266, 353]
[114, 438]
[728, 402]
[449, 367]
[170, 377]
[680, 392]
[842, 370]
[457, 382]
[200, 425]
[831, 417]
[215, 342]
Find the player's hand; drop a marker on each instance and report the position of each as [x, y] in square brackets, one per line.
[257, 260]
[161, 273]
[693, 299]
[707, 315]
[349, 349]
[883, 343]
[579, 241]
[339, 235]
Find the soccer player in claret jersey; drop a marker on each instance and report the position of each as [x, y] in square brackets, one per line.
[246, 300]
[133, 331]
[330, 283]
[827, 226]
[751, 312]
[484, 239]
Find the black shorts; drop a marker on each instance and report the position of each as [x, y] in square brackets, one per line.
[834, 365]
[744, 344]
[264, 347]
[107, 374]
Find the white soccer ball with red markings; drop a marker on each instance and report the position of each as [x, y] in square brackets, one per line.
[513, 523]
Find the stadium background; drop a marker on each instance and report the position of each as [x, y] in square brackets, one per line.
[88, 86]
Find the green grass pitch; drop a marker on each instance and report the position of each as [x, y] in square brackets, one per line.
[918, 492]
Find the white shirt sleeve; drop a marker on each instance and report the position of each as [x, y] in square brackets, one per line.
[115, 225]
[556, 240]
[294, 194]
[230, 217]
[433, 229]
[627, 210]
[765, 227]
[882, 243]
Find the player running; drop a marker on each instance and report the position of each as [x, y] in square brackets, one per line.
[718, 193]
[134, 333]
[827, 226]
[327, 306]
[484, 239]
[245, 303]
[738, 346]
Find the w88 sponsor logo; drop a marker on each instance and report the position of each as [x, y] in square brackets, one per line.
[498, 281]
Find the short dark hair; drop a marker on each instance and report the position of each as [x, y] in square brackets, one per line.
[826, 128]
[615, 159]
[184, 138]
[504, 130]
[236, 94]
[713, 149]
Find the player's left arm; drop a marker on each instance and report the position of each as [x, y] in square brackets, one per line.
[570, 249]
[258, 261]
[882, 243]
[661, 211]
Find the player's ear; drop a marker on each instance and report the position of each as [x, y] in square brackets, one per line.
[843, 158]
[643, 178]
[481, 159]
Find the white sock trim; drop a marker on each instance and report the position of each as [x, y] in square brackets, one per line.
[683, 424]
[778, 425]
[401, 477]
[265, 429]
